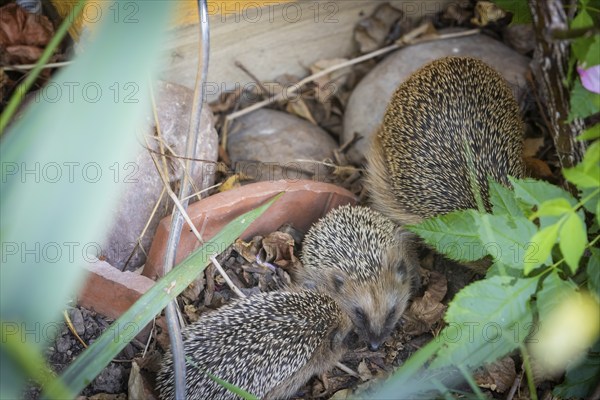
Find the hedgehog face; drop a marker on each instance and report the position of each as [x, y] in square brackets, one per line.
[375, 307]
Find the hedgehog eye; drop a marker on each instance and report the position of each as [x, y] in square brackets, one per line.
[401, 268]
[391, 316]
[360, 314]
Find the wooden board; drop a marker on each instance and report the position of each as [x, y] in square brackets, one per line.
[269, 37]
[281, 37]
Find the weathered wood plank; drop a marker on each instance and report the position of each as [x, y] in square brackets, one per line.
[272, 40]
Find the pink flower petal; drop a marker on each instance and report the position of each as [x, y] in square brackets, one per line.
[590, 78]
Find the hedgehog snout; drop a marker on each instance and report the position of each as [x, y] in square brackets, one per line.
[375, 343]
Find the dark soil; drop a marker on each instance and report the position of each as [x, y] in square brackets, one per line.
[66, 347]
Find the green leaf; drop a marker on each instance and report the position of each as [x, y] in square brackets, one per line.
[412, 378]
[534, 192]
[593, 272]
[486, 320]
[541, 244]
[581, 178]
[505, 238]
[503, 200]
[554, 207]
[585, 50]
[573, 240]
[583, 19]
[519, 9]
[592, 156]
[591, 133]
[499, 269]
[67, 128]
[85, 367]
[582, 377]
[583, 102]
[586, 174]
[554, 291]
[453, 234]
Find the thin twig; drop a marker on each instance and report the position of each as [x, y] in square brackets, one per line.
[139, 243]
[355, 138]
[516, 384]
[177, 202]
[150, 337]
[253, 77]
[403, 41]
[25, 67]
[348, 370]
[72, 329]
[229, 282]
[185, 167]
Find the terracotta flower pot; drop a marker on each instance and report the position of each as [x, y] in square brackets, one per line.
[302, 203]
[111, 292]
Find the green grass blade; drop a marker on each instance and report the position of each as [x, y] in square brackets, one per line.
[58, 186]
[89, 364]
[28, 358]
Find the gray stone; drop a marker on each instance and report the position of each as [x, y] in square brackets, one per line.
[77, 321]
[110, 380]
[369, 99]
[63, 344]
[142, 183]
[267, 144]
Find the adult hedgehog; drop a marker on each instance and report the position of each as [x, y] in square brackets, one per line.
[453, 120]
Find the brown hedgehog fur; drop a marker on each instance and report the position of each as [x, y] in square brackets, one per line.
[361, 259]
[453, 119]
[269, 345]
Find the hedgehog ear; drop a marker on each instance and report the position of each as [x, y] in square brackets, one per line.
[401, 257]
[309, 284]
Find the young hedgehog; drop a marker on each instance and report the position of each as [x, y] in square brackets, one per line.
[453, 116]
[269, 344]
[366, 264]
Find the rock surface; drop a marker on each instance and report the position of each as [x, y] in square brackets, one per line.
[266, 144]
[142, 184]
[369, 99]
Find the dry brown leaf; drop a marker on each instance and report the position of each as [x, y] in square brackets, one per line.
[138, 386]
[328, 85]
[371, 33]
[341, 394]
[230, 183]
[364, 371]
[23, 36]
[486, 13]
[298, 107]
[437, 285]
[191, 312]
[279, 248]
[531, 146]
[498, 376]
[456, 15]
[248, 250]
[226, 101]
[426, 311]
